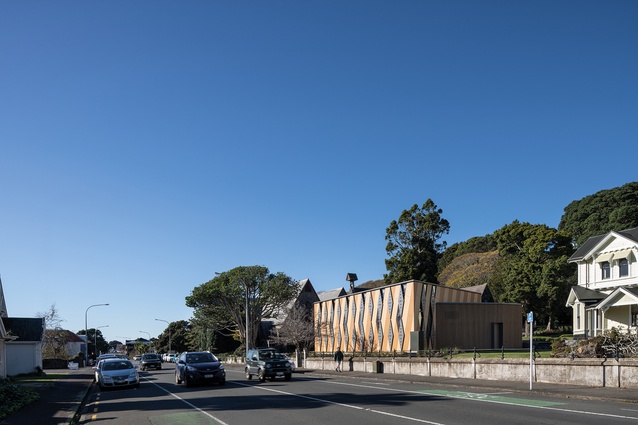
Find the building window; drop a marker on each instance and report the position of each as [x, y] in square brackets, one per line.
[606, 270]
[634, 319]
[577, 316]
[623, 265]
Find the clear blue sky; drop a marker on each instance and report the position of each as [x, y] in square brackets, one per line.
[146, 145]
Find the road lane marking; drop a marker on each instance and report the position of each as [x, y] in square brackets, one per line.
[349, 406]
[487, 400]
[186, 402]
[491, 397]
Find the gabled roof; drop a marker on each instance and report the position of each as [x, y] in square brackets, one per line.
[306, 296]
[618, 295]
[70, 336]
[584, 295]
[590, 244]
[26, 329]
[331, 294]
[484, 290]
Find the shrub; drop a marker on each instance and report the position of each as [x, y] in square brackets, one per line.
[13, 397]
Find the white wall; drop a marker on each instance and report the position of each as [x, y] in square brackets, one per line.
[23, 357]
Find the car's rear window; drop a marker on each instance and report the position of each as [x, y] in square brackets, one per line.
[200, 358]
[117, 365]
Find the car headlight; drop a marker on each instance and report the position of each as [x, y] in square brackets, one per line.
[133, 375]
[191, 369]
[268, 365]
[287, 364]
[107, 378]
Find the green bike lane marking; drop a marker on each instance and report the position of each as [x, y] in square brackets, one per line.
[492, 398]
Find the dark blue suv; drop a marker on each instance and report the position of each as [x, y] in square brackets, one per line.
[193, 367]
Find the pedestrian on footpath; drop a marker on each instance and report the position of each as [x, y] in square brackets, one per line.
[338, 359]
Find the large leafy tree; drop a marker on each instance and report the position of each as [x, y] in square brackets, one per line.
[223, 300]
[414, 244]
[534, 270]
[177, 335]
[95, 335]
[602, 212]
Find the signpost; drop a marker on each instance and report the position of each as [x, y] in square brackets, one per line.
[530, 320]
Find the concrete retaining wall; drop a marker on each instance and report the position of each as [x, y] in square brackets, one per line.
[587, 372]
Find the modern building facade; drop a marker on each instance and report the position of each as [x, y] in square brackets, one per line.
[414, 316]
[607, 292]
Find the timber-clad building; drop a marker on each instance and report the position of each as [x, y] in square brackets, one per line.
[413, 316]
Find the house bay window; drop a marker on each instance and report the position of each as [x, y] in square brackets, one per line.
[605, 268]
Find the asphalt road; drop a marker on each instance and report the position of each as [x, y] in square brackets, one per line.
[312, 399]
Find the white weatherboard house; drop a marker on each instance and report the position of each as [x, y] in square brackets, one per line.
[607, 292]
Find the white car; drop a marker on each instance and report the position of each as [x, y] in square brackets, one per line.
[114, 372]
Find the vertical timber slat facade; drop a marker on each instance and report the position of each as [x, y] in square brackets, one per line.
[383, 319]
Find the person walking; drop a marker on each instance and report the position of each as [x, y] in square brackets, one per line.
[338, 359]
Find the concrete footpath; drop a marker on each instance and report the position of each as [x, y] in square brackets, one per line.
[59, 400]
[62, 399]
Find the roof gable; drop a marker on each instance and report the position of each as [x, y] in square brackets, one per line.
[331, 294]
[621, 296]
[584, 295]
[595, 244]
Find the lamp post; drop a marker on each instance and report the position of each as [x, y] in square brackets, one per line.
[149, 340]
[247, 327]
[95, 343]
[169, 333]
[86, 327]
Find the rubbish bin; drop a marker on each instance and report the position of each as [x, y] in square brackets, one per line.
[377, 367]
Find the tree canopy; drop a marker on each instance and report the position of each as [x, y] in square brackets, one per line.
[602, 212]
[223, 299]
[534, 270]
[414, 244]
[176, 335]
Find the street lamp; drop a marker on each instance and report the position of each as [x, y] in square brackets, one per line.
[86, 328]
[105, 326]
[169, 333]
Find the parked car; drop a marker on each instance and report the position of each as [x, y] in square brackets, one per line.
[150, 360]
[292, 363]
[199, 367]
[267, 363]
[137, 358]
[114, 372]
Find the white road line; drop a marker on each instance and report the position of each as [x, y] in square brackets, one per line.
[349, 406]
[186, 402]
[558, 409]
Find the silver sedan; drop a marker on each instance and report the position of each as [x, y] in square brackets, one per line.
[110, 373]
